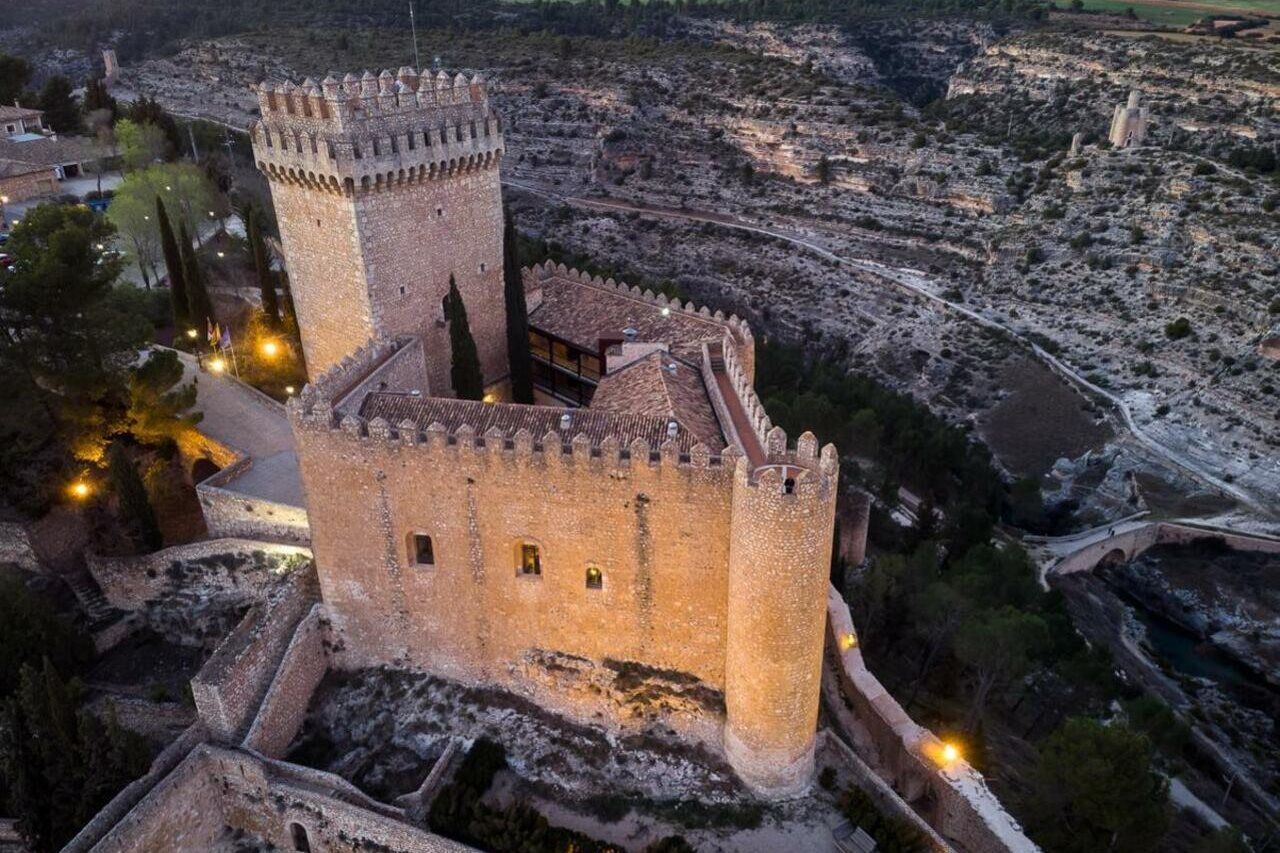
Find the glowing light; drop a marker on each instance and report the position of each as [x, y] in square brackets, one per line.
[222, 254]
[490, 398]
[269, 349]
[289, 389]
[848, 640]
[666, 312]
[101, 247]
[80, 490]
[217, 365]
[191, 333]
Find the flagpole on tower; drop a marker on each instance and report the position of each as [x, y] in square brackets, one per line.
[413, 25]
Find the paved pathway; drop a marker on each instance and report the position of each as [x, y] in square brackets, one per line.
[905, 279]
[253, 424]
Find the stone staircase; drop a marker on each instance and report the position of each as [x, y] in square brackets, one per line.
[98, 611]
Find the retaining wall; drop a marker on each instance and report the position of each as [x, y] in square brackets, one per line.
[229, 514]
[15, 546]
[959, 805]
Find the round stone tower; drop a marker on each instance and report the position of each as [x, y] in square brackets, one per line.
[779, 564]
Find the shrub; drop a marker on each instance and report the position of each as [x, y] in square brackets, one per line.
[1178, 329]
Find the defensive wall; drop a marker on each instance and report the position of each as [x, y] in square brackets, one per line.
[665, 528]
[951, 796]
[217, 794]
[385, 188]
[231, 514]
[284, 707]
[230, 687]
[1129, 544]
[129, 583]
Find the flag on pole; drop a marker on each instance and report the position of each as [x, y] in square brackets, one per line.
[224, 339]
[210, 332]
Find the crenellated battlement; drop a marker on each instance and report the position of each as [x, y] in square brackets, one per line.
[745, 389]
[369, 133]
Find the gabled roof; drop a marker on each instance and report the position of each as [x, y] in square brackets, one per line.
[15, 112]
[658, 384]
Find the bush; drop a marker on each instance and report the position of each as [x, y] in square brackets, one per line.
[1178, 329]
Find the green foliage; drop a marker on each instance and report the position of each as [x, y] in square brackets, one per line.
[1095, 789]
[1225, 840]
[15, 73]
[1178, 329]
[98, 102]
[199, 305]
[60, 764]
[266, 276]
[891, 834]
[31, 629]
[465, 375]
[72, 337]
[517, 314]
[61, 112]
[159, 405]
[1153, 718]
[140, 144]
[137, 516]
[173, 267]
[997, 646]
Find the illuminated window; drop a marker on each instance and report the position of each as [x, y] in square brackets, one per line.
[421, 550]
[595, 578]
[530, 559]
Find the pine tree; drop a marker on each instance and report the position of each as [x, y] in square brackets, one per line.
[468, 382]
[177, 280]
[136, 512]
[199, 306]
[266, 276]
[517, 315]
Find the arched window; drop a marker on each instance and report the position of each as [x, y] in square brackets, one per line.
[595, 578]
[300, 839]
[422, 551]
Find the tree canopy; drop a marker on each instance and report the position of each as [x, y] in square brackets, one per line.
[465, 375]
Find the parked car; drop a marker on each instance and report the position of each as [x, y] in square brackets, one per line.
[4, 237]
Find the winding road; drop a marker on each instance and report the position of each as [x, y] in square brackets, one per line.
[902, 278]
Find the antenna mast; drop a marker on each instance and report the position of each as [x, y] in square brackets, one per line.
[414, 27]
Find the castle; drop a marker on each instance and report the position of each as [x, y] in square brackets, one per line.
[1129, 123]
[644, 513]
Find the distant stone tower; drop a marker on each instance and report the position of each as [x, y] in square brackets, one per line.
[1129, 123]
[779, 569]
[110, 66]
[384, 187]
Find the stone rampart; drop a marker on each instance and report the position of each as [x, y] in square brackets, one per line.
[216, 795]
[128, 583]
[229, 688]
[398, 366]
[230, 514]
[956, 800]
[284, 708]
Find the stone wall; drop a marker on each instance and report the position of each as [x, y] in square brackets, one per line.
[33, 184]
[229, 688]
[398, 366]
[952, 797]
[15, 546]
[231, 514]
[129, 583]
[284, 707]
[218, 795]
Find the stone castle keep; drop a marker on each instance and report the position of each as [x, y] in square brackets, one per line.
[645, 516]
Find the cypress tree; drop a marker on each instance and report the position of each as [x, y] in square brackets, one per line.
[517, 315]
[266, 276]
[468, 382]
[200, 307]
[177, 279]
[136, 512]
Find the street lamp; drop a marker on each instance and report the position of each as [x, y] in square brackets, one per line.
[289, 389]
[4, 199]
[269, 349]
[80, 489]
[191, 333]
[217, 364]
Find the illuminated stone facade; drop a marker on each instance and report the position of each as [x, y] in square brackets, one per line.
[665, 532]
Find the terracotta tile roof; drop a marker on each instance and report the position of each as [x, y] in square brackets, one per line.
[13, 168]
[49, 151]
[648, 386]
[585, 314]
[13, 113]
[510, 417]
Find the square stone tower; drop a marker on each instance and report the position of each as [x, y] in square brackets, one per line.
[384, 187]
[1129, 123]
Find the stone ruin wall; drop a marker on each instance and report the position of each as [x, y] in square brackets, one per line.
[284, 708]
[215, 792]
[229, 688]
